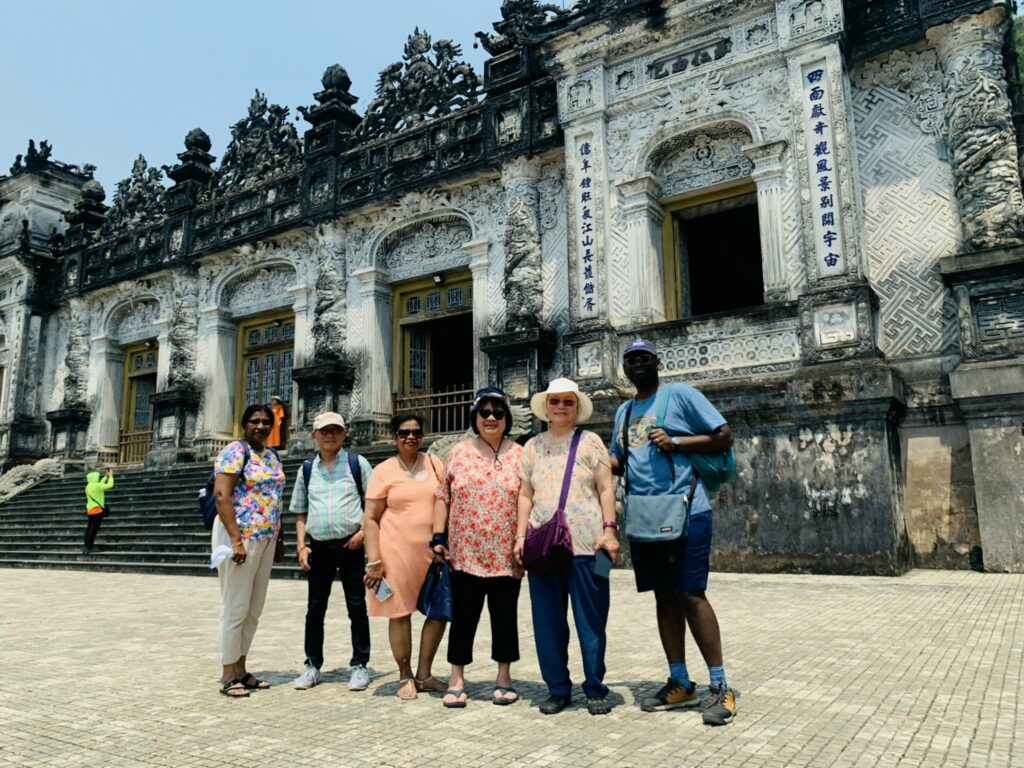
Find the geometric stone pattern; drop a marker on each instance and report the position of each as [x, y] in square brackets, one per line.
[816, 686]
[722, 352]
[910, 213]
[1000, 318]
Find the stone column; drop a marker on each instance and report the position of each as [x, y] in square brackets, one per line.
[376, 298]
[163, 358]
[644, 215]
[524, 278]
[303, 325]
[767, 175]
[979, 128]
[478, 265]
[104, 395]
[220, 335]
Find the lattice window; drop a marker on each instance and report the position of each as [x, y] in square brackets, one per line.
[288, 333]
[286, 377]
[412, 305]
[434, 301]
[418, 360]
[254, 338]
[140, 411]
[455, 297]
[252, 381]
[270, 376]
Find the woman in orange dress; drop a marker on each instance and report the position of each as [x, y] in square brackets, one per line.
[277, 407]
[397, 530]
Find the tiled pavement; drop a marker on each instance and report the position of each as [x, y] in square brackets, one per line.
[121, 670]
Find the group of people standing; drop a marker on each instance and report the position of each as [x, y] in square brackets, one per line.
[475, 512]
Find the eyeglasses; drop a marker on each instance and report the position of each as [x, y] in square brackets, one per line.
[497, 413]
[332, 429]
[568, 402]
[261, 422]
[403, 433]
[641, 358]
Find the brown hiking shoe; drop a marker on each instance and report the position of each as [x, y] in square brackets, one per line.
[722, 707]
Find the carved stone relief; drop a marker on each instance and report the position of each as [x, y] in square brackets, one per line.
[135, 321]
[259, 291]
[702, 159]
[138, 200]
[331, 305]
[75, 367]
[523, 273]
[183, 333]
[981, 132]
[427, 247]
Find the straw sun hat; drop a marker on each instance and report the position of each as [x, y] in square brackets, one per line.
[539, 401]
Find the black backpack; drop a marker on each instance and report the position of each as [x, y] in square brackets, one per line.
[205, 497]
[353, 467]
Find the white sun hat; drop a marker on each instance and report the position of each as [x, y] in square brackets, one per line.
[539, 401]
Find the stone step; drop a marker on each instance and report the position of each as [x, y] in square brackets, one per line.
[89, 563]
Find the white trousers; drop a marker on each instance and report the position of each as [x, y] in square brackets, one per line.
[243, 591]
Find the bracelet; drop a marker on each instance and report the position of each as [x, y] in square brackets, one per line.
[523, 536]
[373, 563]
[611, 524]
[301, 550]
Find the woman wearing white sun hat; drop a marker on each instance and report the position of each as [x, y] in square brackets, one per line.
[589, 510]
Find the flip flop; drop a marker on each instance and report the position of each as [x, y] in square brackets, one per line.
[501, 701]
[403, 689]
[253, 683]
[459, 702]
[234, 689]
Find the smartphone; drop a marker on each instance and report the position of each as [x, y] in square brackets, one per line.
[384, 590]
[602, 563]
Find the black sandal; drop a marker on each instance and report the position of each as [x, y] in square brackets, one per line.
[234, 689]
[253, 683]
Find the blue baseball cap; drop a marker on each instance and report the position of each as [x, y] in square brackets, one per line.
[640, 345]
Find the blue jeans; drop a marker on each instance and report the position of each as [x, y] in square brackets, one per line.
[550, 594]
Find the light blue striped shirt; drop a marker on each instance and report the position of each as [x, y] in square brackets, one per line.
[332, 508]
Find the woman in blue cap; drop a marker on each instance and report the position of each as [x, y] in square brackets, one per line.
[475, 528]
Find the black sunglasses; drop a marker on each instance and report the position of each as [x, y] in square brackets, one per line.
[497, 413]
[261, 422]
[409, 432]
[642, 358]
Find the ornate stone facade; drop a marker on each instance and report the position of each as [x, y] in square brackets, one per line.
[539, 217]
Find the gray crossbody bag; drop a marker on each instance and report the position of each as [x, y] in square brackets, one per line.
[664, 517]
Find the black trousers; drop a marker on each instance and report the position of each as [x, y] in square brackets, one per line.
[468, 594]
[327, 559]
[92, 528]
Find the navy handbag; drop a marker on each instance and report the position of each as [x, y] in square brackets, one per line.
[435, 600]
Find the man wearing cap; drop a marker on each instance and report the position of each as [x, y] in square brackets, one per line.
[677, 571]
[328, 507]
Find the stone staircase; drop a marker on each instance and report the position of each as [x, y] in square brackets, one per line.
[155, 526]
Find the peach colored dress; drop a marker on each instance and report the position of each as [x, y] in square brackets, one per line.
[405, 530]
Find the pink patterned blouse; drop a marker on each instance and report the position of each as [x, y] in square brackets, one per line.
[481, 498]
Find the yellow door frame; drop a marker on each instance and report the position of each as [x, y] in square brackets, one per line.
[403, 323]
[244, 326]
[128, 392]
[670, 236]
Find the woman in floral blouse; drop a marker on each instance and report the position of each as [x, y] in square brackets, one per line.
[590, 515]
[248, 487]
[475, 528]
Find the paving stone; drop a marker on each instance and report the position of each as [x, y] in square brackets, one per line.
[121, 670]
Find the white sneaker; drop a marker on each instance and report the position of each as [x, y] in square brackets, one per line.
[310, 676]
[358, 678]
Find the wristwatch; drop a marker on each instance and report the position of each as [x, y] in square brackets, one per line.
[677, 440]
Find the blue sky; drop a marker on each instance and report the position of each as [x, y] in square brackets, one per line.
[107, 80]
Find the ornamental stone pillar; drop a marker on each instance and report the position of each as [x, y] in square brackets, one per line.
[979, 129]
[644, 215]
[220, 336]
[104, 394]
[376, 296]
[479, 266]
[163, 358]
[767, 175]
[523, 280]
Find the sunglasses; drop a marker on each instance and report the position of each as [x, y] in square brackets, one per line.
[642, 358]
[403, 433]
[497, 413]
[568, 402]
[261, 422]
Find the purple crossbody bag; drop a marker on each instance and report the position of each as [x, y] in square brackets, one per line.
[550, 545]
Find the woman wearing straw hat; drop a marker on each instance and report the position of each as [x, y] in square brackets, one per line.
[589, 511]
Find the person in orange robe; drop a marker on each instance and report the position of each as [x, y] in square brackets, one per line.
[277, 406]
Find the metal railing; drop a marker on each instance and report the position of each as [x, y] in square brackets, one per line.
[133, 445]
[444, 412]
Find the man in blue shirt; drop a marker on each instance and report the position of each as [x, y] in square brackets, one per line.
[330, 512]
[677, 571]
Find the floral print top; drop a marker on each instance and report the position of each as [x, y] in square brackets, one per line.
[481, 498]
[543, 467]
[258, 492]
